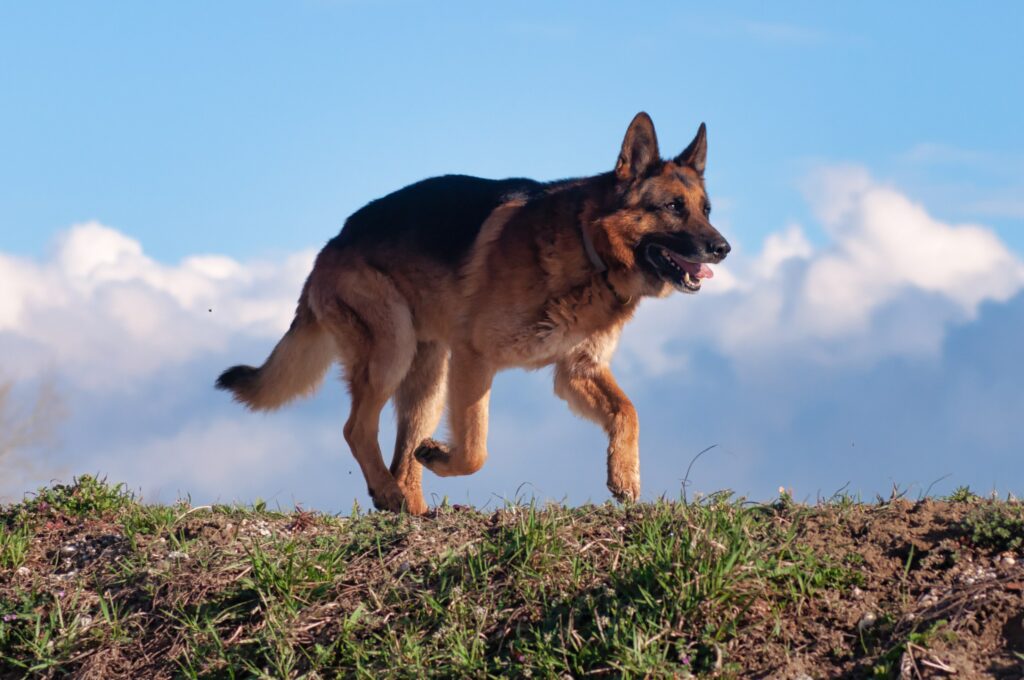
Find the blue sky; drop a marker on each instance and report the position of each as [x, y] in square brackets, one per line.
[248, 131]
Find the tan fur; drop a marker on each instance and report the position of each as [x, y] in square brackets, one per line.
[405, 326]
[296, 366]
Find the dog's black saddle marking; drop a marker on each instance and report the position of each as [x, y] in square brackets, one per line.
[439, 217]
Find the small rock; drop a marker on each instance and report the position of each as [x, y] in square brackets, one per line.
[404, 567]
[177, 555]
[857, 592]
[866, 622]
[23, 571]
[69, 549]
[928, 599]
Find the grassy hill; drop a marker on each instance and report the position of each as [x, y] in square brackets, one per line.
[94, 583]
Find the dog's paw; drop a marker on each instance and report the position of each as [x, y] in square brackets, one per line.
[414, 503]
[625, 486]
[432, 454]
[389, 498]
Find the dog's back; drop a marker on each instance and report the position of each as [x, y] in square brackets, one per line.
[438, 217]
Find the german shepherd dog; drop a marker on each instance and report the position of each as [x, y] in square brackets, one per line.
[452, 279]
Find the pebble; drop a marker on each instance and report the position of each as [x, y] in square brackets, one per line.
[23, 571]
[866, 621]
[928, 599]
[977, 574]
[177, 555]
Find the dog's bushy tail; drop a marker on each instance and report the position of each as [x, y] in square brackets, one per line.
[295, 367]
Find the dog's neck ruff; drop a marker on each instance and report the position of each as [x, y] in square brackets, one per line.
[588, 245]
[599, 266]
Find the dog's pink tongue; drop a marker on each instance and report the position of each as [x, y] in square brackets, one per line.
[694, 269]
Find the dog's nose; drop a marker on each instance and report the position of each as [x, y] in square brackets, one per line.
[719, 248]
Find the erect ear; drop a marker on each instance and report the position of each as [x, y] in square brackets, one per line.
[639, 149]
[697, 153]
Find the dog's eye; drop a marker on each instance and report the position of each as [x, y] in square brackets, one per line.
[707, 209]
[676, 206]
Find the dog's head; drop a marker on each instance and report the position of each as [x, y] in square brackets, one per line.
[660, 227]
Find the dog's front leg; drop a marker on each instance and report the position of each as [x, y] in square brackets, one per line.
[469, 391]
[591, 391]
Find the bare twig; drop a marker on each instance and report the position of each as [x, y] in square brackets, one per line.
[686, 478]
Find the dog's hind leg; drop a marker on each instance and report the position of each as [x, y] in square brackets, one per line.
[469, 390]
[591, 391]
[361, 432]
[372, 325]
[419, 403]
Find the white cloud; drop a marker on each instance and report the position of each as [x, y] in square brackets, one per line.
[885, 244]
[780, 248]
[889, 281]
[106, 314]
[221, 460]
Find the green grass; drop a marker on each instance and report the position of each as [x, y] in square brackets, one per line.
[86, 497]
[998, 527]
[14, 545]
[888, 665]
[963, 494]
[111, 586]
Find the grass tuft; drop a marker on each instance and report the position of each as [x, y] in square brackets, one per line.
[998, 527]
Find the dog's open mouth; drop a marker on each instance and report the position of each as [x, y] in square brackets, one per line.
[670, 266]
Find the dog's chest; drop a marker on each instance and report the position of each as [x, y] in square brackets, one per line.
[566, 322]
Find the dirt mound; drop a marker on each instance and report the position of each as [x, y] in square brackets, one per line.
[96, 584]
